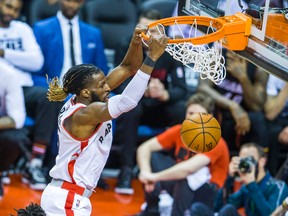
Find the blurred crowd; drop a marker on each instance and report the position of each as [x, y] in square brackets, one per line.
[41, 39]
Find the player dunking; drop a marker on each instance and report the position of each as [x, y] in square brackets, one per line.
[84, 123]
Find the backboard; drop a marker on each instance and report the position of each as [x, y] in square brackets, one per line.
[268, 41]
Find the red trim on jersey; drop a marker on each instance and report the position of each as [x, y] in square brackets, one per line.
[71, 167]
[84, 144]
[69, 204]
[71, 163]
[74, 137]
[72, 100]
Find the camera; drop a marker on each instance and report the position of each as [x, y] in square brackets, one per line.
[245, 165]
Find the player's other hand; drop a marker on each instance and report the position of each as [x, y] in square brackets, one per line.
[156, 45]
[137, 39]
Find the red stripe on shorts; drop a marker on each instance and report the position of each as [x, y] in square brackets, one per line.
[69, 204]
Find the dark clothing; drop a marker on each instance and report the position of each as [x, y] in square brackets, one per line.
[258, 199]
[274, 128]
[43, 112]
[232, 89]
[179, 190]
[200, 209]
[257, 134]
[12, 144]
[153, 112]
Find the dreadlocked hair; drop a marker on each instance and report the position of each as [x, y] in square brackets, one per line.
[76, 79]
[33, 209]
[55, 91]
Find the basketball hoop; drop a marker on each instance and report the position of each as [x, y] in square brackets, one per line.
[195, 52]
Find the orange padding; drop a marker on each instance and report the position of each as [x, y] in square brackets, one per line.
[277, 28]
[234, 29]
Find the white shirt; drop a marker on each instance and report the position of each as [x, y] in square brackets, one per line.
[65, 29]
[274, 86]
[21, 50]
[11, 95]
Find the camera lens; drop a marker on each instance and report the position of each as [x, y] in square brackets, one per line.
[245, 165]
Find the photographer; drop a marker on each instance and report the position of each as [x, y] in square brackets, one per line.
[259, 194]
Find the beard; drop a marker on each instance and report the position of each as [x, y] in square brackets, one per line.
[5, 20]
[95, 97]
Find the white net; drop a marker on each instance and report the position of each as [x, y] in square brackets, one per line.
[204, 59]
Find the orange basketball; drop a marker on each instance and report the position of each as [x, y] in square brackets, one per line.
[200, 132]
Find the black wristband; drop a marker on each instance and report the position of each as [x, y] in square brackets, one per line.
[149, 62]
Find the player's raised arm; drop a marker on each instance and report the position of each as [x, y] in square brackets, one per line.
[135, 89]
[92, 90]
[131, 62]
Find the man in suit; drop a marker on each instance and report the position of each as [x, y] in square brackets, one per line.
[60, 53]
[53, 35]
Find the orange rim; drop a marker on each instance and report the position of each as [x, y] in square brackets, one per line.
[218, 24]
[233, 29]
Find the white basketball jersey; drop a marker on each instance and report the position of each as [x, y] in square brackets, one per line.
[81, 161]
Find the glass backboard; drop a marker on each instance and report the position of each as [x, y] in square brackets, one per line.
[268, 40]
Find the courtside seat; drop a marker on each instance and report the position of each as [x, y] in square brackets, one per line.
[116, 19]
[41, 9]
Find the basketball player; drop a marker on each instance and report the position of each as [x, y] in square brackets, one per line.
[84, 123]
[185, 175]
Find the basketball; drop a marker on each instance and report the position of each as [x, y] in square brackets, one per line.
[200, 132]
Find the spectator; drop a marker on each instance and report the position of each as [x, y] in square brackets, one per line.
[240, 100]
[13, 137]
[54, 35]
[163, 105]
[276, 111]
[20, 50]
[85, 127]
[179, 175]
[260, 193]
